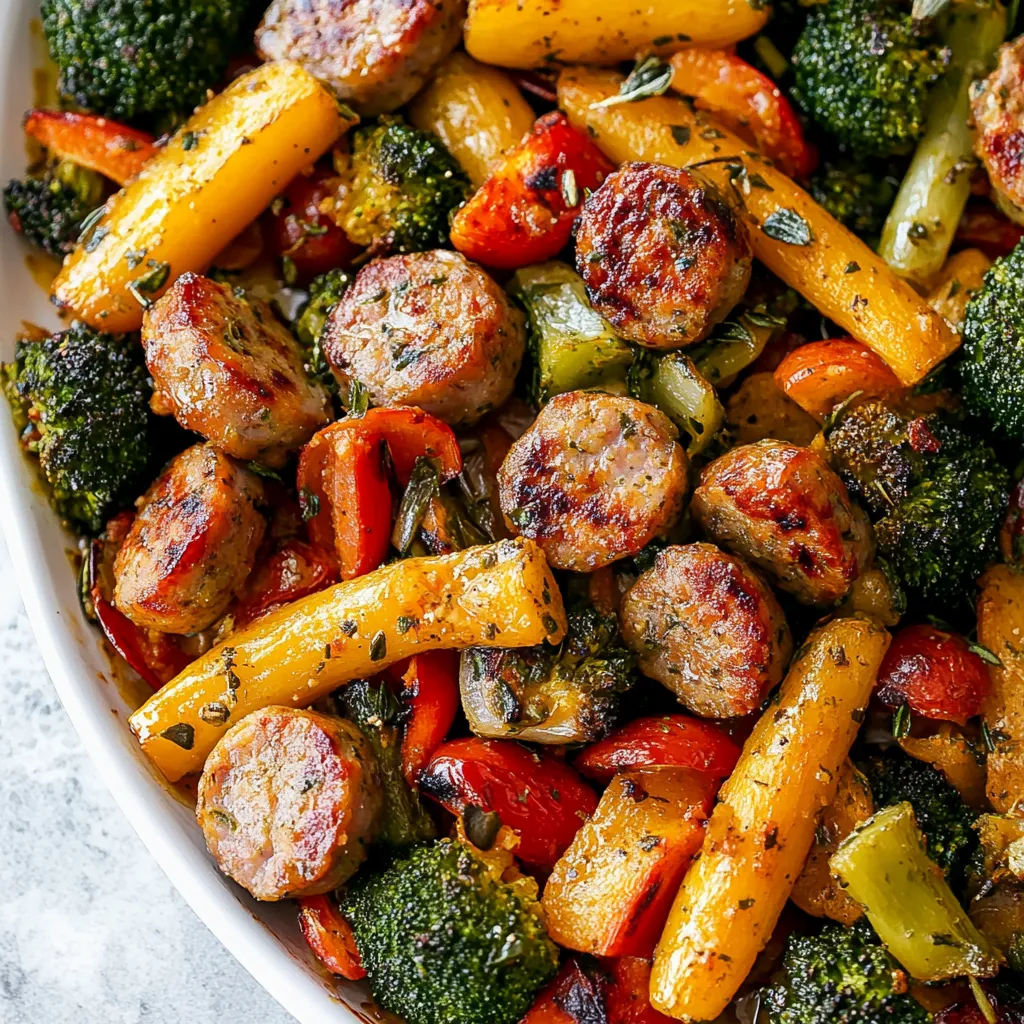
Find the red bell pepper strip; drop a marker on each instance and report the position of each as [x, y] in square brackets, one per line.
[410, 434]
[431, 694]
[676, 741]
[629, 1000]
[575, 994]
[111, 149]
[294, 570]
[524, 212]
[983, 227]
[537, 795]
[330, 937]
[748, 102]
[302, 229]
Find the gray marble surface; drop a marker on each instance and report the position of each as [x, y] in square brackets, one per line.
[91, 932]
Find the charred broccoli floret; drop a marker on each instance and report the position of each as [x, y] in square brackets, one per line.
[49, 211]
[141, 61]
[840, 976]
[937, 494]
[377, 712]
[863, 73]
[443, 939]
[325, 293]
[947, 823]
[81, 399]
[992, 368]
[544, 694]
[856, 196]
[403, 188]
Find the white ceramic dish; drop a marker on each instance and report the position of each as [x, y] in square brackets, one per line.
[263, 937]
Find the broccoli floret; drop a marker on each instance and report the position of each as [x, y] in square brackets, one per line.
[140, 60]
[49, 211]
[545, 694]
[992, 368]
[404, 187]
[377, 712]
[443, 940]
[947, 823]
[937, 494]
[863, 73]
[855, 196]
[325, 292]
[81, 399]
[840, 976]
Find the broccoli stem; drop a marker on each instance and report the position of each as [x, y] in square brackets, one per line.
[884, 867]
[928, 206]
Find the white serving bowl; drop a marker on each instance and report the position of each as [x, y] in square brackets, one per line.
[263, 937]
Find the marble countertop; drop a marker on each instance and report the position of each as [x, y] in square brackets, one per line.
[91, 932]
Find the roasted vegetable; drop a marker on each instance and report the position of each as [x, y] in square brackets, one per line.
[141, 62]
[325, 292]
[402, 188]
[855, 194]
[49, 212]
[350, 631]
[442, 938]
[81, 400]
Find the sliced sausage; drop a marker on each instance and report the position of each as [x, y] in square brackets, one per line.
[375, 54]
[997, 108]
[662, 253]
[428, 329]
[192, 544]
[289, 801]
[780, 507]
[707, 626]
[594, 479]
[227, 369]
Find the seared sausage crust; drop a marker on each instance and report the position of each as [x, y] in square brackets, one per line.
[192, 544]
[594, 479]
[227, 369]
[782, 508]
[663, 256]
[997, 107]
[705, 625]
[375, 54]
[288, 802]
[428, 329]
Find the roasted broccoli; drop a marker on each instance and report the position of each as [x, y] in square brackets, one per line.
[325, 292]
[863, 73]
[81, 399]
[855, 195]
[544, 694]
[403, 188]
[141, 60]
[937, 494]
[443, 939]
[840, 976]
[947, 823]
[48, 211]
[992, 368]
[377, 712]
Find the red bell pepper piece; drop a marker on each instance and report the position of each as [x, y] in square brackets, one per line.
[302, 229]
[676, 741]
[524, 212]
[629, 999]
[748, 102]
[431, 694]
[935, 673]
[330, 937]
[410, 434]
[537, 795]
[294, 570]
[111, 149]
[983, 227]
[576, 994]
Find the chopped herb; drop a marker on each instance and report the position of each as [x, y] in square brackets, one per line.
[423, 487]
[852, 267]
[309, 504]
[680, 133]
[986, 736]
[189, 140]
[481, 827]
[901, 722]
[405, 623]
[378, 646]
[358, 400]
[348, 627]
[181, 733]
[787, 226]
[215, 713]
[987, 656]
[650, 77]
[570, 191]
[289, 270]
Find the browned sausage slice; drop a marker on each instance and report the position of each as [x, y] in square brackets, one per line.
[192, 544]
[782, 508]
[708, 627]
[227, 369]
[594, 479]
[288, 802]
[375, 54]
[428, 329]
[662, 253]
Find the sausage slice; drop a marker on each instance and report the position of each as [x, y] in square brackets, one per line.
[594, 479]
[288, 802]
[708, 627]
